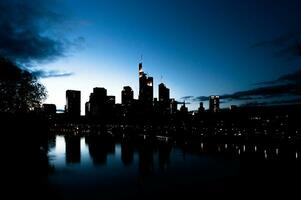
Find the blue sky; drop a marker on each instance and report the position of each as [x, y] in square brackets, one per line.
[200, 48]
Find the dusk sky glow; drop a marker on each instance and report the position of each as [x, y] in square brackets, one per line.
[197, 48]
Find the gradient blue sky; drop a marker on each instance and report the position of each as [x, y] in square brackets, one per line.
[200, 48]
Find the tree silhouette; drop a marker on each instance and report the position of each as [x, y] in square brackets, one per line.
[20, 90]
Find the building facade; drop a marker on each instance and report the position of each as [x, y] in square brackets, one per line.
[72, 108]
[214, 103]
[145, 88]
[127, 95]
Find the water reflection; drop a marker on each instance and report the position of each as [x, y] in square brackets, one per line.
[140, 167]
[164, 155]
[99, 148]
[72, 149]
[127, 151]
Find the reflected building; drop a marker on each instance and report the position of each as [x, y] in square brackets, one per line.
[72, 149]
[127, 152]
[164, 150]
[72, 108]
[146, 158]
[99, 148]
[214, 103]
[145, 88]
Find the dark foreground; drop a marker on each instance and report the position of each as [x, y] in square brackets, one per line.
[38, 164]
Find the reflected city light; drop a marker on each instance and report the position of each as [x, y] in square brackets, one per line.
[60, 146]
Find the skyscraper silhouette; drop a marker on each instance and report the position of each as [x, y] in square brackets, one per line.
[127, 95]
[214, 103]
[145, 88]
[72, 108]
[164, 98]
[96, 104]
[201, 107]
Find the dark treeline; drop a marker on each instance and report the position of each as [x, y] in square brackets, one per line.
[24, 133]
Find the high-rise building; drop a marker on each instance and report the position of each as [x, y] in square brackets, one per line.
[127, 95]
[110, 100]
[99, 104]
[72, 107]
[173, 106]
[88, 109]
[214, 103]
[49, 110]
[164, 97]
[183, 108]
[201, 108]
[163, 93]
[145, 87]
[97, 100]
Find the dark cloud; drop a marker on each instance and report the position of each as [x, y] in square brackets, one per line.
[32, 33]
[286, 85]
[259, 93]
[50, 74]
[276, 102]
[265, 92]
[187, 98]
[253, 103]
[286, 88]
[294, 77]
[286, 46]
[201, 98]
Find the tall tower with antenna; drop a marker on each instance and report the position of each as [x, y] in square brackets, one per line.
[145, 87]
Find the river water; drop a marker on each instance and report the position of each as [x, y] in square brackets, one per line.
[107, 168]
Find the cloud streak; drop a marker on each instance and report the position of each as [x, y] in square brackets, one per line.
[187, 98]
[51, 74]
[294, 77]
[286, 88]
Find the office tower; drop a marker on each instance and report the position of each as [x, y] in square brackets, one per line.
[72, 107]
[87, 109]
[173, 106]
[99, 104]
[163, 97]
[97, 101]
[214, 103]
[163, 93]
[145, 88]
[201, 108]
[110, 100]
[127, 95]
[49, 108]
[183, 108]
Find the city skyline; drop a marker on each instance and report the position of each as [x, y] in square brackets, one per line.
[241, 51]
[101, 104]
[150, 99]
